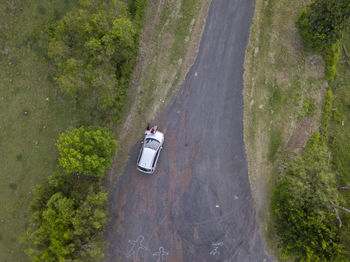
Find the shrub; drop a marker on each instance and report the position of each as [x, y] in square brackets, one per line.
[137, 10]
[326, 114]
[305, 30]
[321, 25]
[331, 57]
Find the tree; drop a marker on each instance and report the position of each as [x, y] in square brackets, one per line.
[322, 23]
[55, 235]
[67, 229]
[86, 151]
[94, 49]
[88, 224]
[90, 215]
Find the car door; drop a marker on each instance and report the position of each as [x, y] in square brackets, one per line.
[156, 157]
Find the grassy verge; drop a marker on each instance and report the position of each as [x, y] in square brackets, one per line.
[314, 186]
[283, 96]
[339, 127]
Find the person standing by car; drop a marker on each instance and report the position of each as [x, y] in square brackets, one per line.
[153, 130]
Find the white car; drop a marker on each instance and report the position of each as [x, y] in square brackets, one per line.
[149, 153]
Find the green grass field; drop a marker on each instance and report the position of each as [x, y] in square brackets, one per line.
[32, 114]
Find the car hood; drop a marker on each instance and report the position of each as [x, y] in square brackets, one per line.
[147, 157]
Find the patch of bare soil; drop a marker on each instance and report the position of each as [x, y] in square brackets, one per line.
[314, 66]
[301, 135]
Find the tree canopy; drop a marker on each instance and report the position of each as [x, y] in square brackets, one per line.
[66, 229]
[322, 22]
[69, 211]
[94, 49]
[86, 150]
[301, 203]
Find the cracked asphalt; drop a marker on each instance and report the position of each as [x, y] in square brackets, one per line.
[198, 205]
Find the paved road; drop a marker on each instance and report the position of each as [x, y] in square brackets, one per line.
[198, 205]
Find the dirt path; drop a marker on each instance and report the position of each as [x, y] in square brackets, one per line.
[198, 204]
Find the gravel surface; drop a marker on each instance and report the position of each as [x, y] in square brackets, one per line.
[198, 205]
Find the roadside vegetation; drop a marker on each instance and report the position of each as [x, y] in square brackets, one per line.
[94, 49]
[322, 25]
[49, 90]
[69, 210]
[305, 211]
[306, 201]
[302, 204]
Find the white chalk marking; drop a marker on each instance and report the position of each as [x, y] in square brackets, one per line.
[160, 254]
[137, 246]
[215, 251]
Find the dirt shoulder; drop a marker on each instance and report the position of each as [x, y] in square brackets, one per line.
[283, 94]
[160, 68]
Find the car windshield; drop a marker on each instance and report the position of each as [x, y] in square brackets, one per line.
[151, 143]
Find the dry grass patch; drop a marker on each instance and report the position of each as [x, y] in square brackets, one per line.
[283, 95]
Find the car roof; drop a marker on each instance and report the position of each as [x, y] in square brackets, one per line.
[147, 157]
[157, 135]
